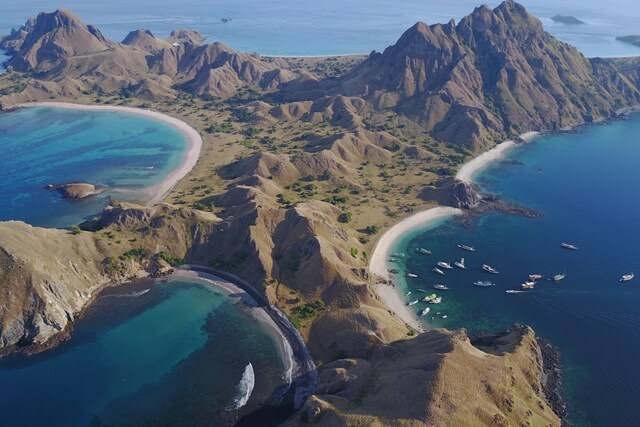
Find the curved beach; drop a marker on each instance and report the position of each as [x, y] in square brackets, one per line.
[157, 192]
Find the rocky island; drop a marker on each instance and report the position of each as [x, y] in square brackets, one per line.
[305, 163]
[633, 39]
[75, 190]
[567, 19]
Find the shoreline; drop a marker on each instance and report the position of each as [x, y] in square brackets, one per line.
[389, 294]
[157, 192]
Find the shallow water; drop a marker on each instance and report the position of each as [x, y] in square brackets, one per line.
[329, 27]
[44, 145]
[173, 356]
[585, 185]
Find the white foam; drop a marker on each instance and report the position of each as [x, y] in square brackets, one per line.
[245, 387]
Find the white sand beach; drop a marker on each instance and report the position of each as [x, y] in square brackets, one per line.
[378, 262]
[470, 169]
[158, 192]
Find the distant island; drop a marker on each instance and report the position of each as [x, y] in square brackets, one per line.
[632, 39]
[567, 19]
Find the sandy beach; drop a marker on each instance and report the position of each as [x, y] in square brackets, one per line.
[157, 192]
[378, 262]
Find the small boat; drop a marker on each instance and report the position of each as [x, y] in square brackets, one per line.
[467, 248]
[444, 316]
[514, 291]
[430, 298]
[425, 312]
[460, 264]
[445, 265]
[627, 277]
[393, 259]
[483, 284]
[559, 277]
[441, 287]
[489, 269]
[568, 246]
[424, 291]
[423, 251]
[436, 300]
[397, 255]
[413, 276]
[410, 303]
[535, 277]
[438, 271]
[528, 285]
[407, 294]
[393, 271]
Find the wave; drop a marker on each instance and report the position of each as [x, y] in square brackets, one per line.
[131, 295]
[245, 387]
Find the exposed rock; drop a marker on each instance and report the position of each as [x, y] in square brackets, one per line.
[76, 190]
[451, 192]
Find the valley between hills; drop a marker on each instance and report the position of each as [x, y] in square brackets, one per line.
[305, 163]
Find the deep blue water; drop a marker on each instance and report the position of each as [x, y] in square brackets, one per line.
[585, 184]
[310, 27]
[173, 356]
[53, 145]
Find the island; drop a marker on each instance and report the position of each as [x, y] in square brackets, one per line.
[632, 39]
[75, 190]
[567, 19]
[305, 165]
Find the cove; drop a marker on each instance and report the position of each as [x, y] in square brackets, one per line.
[585, 185]
[48, 145]
[173, 353]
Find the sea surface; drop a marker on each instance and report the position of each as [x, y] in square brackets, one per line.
[329, 27]
[123, 152]
[175, 355]
[585, 186]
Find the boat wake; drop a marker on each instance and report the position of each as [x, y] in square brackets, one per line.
[245, 388]
[131, 295]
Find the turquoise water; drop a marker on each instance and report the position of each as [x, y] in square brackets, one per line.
[585, 184]
[54, 145]
[328, 27]
[173, 356]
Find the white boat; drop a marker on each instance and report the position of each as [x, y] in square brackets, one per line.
[569, 246]
[407, 294]
[413, 276]
[441, 287]
[528, 285]
[460, 264]
[535, 277]
[425, 312]
[430, 298]
[445, 265]
[484, 284]
[467, 248]
[559, 277]
[423, 251]
[410, 303]
[627, 277]
[436, 300]
[438, 271]
[489, 269]
[514, 291]
[444, 316]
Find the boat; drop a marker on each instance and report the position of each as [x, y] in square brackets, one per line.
[423, 251]
[438, 271]
[425, 312]
[393, 259]
[410, 303]
[535, 277]
[514, 291]
[441, 287]
[489, 269]
[445, 265]
[430, 298]
[460, 264]
[559, 277]
[569, 246]
[397, 255]
[528, 285]
[412, 275]
[483, 284]
[424, 291]
[393, 271]
[407, 294]
[444, 316]
[627, 277]
[436, 300]
[467, 248]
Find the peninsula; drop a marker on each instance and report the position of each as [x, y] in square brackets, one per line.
[304, 164]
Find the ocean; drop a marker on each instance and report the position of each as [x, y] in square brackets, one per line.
[119, 151]
[329, 27]
[175, 355]
[584, 185]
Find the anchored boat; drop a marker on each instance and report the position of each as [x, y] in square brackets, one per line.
[423, 251]
[569, 246]
[445, 265]
[438, 271]
[528, 285]
[441, 287]
[489, 269]
[559, 277]
[467, 248]
[484, 284]
[460, 264]
[412, 275]
[425, 312]
[627, 277]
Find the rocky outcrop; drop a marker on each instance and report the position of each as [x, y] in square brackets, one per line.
[75, 191]
[451, 192]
